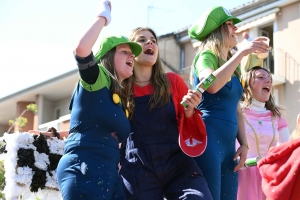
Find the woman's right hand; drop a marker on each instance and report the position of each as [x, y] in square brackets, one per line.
[191, 99]
[86, 42]
[241, 152]
[104, 10]
[257, 45]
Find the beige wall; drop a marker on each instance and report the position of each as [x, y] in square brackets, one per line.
[63, 105]
[190, 53]
[288, 28]
[48, 111]
[287, 42]
[169, 50]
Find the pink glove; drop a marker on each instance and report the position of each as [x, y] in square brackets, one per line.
[104, 9]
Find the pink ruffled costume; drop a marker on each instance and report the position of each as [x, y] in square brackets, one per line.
[250, 181]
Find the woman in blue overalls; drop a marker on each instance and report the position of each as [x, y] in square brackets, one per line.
[220, 103]
[154, 166]
[89, 167]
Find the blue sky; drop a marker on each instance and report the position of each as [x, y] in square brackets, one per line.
[37, 36]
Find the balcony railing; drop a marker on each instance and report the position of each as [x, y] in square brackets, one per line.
[57, 124]
[286, 65]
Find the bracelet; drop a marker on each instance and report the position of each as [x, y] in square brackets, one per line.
[246, 145]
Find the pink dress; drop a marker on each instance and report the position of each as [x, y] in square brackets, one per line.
[249, 185]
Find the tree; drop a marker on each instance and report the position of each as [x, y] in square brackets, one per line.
[21, 121]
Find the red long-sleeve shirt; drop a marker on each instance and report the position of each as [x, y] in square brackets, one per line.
[178, 90]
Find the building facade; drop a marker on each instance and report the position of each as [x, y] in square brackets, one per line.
[277, 19]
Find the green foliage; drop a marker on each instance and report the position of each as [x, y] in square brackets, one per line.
[22, 121]
[11, 122]
[2, 179]
[32, 107]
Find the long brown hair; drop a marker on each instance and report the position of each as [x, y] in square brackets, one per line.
[158, 80]
[247, 96]
[216, 41]
[125, 93]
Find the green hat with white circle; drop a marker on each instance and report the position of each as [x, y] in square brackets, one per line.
[209, 21]
[110, 42]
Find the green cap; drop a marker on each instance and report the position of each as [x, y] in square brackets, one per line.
[112, 41]
[209, 21]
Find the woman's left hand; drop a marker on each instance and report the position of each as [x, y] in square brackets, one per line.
[242, 153]
[191, 99]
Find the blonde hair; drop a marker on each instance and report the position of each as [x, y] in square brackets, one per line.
[216, 41]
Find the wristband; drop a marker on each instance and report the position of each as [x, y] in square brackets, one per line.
[246, 145]
[105, 11]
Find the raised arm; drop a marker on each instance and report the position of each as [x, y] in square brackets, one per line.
[87, 41]
[224, 73]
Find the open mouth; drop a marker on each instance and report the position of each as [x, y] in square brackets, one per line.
[266, 88]
[149, 51]
[129, 63]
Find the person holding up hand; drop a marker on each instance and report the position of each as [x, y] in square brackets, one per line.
[99, 110]
[220, 102]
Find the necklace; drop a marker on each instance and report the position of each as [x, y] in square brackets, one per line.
[141, 81]
[113, 77]
[256, 137]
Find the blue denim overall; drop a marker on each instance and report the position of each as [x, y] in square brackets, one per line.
[89, 168]
[220, 118]
[154, 166]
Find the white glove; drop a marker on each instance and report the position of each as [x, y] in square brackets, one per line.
[104, 9]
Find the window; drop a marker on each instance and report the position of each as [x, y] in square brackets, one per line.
[57, 113]
[268, 32]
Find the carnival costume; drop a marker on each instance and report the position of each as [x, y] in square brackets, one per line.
[89, 167]
[263, 131]
[154, 165]
[220, 117]
[219, 109]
